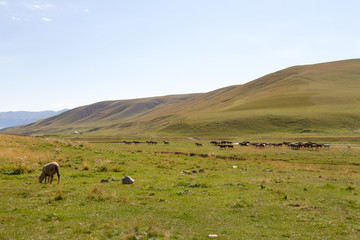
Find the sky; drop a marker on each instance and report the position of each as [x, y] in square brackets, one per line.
[57, 54]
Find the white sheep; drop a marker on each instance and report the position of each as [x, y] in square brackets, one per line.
[49, 171]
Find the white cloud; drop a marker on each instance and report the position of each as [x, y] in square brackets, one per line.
[86, 10]
[3, 3]
[15, 18]
[36, 6]
[47, 19]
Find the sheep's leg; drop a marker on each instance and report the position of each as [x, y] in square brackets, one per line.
[58, 174]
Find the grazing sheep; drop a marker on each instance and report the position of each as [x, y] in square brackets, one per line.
[49, 171]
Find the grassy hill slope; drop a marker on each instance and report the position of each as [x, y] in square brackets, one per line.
[98, 116]
[313, 98]
[301, 99]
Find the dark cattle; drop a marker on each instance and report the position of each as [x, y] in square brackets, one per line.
[224, 146]
[307, 145]
[215, 143]
[294, 146]
[304, 145]
[136, 142]
[198, 144]
[127, 143]
[313, 145]
[260, 145]
[165, 142]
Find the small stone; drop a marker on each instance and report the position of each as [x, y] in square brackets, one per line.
[194, 171]
[104, 180]
[127, 180]
[212, 236]
[201, 170]
[235, 167]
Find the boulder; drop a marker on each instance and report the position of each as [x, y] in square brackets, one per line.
[104, 180]
[127, 180]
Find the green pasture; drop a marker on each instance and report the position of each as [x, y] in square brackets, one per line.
[244, 193]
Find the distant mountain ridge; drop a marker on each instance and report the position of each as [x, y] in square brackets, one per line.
[14, 118]
[322, 97]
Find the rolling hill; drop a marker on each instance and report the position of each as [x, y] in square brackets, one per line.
[319, 98]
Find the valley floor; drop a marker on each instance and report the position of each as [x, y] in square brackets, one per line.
[181, 191]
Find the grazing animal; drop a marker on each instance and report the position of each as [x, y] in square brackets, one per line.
[166, 143]
[224, 146]
[327, 146]
[276, 144]
[215, 143]
[230, 146]
[260, 145]
[49, 171]
[198, 144]
[294, 146]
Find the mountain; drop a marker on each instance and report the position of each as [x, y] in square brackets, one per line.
[9, 119]
[318, 98]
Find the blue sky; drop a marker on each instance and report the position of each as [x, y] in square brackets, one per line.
[67, 53]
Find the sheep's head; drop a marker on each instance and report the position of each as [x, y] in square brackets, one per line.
[41, 177]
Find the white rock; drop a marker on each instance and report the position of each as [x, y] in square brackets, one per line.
[127, 180]
[212, 236]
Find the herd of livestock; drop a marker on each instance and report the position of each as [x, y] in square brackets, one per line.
[51, 169]
[295, 146]
[259, 145]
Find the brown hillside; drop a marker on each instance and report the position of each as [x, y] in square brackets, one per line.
[321, 97]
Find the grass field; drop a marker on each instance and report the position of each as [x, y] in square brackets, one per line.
[245, 193]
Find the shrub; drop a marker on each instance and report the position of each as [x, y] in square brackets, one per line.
[59, 196]
[85, 165]
[97, 194]
[16, 169]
